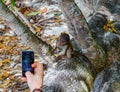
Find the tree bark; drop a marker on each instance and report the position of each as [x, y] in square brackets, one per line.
[26, 35]
[77, 24]
[109, 42]
[87, 8]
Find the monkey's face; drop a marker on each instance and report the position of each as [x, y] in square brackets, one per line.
[64, 39]
[63, 42]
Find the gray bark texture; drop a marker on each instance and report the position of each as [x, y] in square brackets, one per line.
[108, 41]
[105, 44]
[77, 24]
[109, 79]
[87, 7]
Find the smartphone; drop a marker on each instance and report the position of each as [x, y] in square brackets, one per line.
[27, 61]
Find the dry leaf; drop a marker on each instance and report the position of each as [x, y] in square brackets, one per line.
[25, 48]
[22, 10]
[6, 61]
[11, 77]
[2, 46]
[2, 21]
[36, 55]
[0, 76]
[0, 63]
[54, 36]
[58, 19]
[37, 29]
[7, 39]
[9, 48]
[44, 10]
[26, 12]
[5, 73]
[5, 83]
[49, 41]
[14, 38]
[1, 38]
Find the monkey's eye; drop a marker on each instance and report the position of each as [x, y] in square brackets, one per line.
[63, 41]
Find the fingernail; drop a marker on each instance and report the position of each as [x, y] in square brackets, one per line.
[27, 73]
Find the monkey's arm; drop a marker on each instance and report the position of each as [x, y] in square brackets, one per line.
[62, 54]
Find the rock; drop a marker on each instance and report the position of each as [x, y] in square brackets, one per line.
[109, 79]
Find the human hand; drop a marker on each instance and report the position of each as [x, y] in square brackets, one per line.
[35, 81]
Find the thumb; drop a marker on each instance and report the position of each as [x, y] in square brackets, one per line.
[29, 75]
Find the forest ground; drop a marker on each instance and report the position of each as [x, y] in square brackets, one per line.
[48, 22]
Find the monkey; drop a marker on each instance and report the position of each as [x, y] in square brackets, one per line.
[64, 44]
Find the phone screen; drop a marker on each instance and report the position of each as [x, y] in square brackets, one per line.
[27, 61]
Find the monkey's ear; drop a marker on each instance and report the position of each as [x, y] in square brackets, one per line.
[62, 33]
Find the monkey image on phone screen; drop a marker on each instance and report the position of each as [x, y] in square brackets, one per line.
[27, 61]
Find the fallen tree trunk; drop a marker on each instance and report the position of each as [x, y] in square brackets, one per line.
[27, 36]
[77, 24]
[87, 7]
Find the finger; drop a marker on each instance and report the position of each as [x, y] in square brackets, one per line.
[40, 65]
[34, 65]
[24, 78]
[38, 68]
[28, 74]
